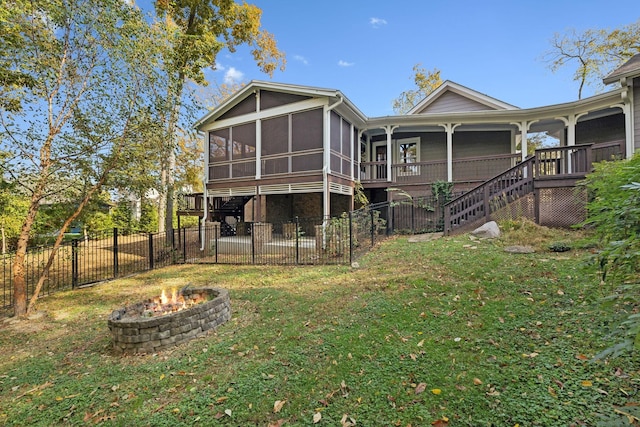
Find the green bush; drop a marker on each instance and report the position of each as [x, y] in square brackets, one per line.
[613, 212]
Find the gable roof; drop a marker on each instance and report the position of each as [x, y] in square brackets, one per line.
[448, 90]
[631, 68]
[333, 95]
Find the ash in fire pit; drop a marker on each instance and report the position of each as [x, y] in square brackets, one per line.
[162, 322]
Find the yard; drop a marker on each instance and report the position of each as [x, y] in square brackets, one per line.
[447, 332]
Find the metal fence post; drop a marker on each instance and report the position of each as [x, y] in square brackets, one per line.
[373, 230]
[413, 217]
[151, 251]
[74, 263]
[184, 244]
[253, 243]
[297, 240]
[115, 253]
[215, 233]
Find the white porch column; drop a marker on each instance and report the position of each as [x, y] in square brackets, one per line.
[326, 167]
[352, 154]
[359, 154]
[389, 130]
[570, 124]
[449, 129]
[258, 148]
[628, 130]
[628, 127]
[523, 127]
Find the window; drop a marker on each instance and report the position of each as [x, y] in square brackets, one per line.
[408, 153]
[219, 145]
[244, 141]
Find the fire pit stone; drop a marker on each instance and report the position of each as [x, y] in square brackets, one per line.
[141, 329]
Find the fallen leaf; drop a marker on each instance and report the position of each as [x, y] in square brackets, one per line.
[559, 383]
[551, 391]
[317, 417]
[421, 343]
[277, 423]
[586, 383]
[477, 381]
[347, 421]
[228, 412]
[581, 357]
[436, 391]
[440, 423]
[420, 388]
[277, 406]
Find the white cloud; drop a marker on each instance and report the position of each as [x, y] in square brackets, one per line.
[377, 22]
[219, 67]
[233, 76]
[342, 63]
[301, 58]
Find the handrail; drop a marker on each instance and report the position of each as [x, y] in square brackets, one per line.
[572, 161]
[480, 202]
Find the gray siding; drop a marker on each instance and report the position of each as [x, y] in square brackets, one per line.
[246, 106]
[433, 146]
[451, 102]
[269, 99]
[603, 129]
[473, 144]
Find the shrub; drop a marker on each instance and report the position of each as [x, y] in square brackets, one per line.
[614, 213]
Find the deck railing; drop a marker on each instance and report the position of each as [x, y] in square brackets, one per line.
[468, 169]
[190, 202]
[571, 162]
[479, 202]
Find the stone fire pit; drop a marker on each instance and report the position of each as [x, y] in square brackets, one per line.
[151, 325]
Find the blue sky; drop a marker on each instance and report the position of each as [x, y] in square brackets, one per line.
[367, 49]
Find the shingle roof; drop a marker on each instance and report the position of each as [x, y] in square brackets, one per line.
[631, 68]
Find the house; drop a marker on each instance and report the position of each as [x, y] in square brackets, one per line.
[276, 151]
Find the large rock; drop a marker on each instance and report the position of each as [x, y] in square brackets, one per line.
[490, 230]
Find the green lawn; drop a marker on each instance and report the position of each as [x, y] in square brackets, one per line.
[451, 332]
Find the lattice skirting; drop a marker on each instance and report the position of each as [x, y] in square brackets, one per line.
[523, 207]
[562, 207]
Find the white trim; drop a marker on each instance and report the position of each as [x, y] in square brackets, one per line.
[449, 86]
[408, 169]
[295, 107]
[336, 188]
[372, 153]
[258, 149]
[233, 191]
[256, 85]
[303, 187]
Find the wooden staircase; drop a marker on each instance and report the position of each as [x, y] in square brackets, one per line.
[548, 168]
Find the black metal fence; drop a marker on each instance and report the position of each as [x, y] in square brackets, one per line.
[299, 241]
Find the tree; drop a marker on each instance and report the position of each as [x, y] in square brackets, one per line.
[12, 208]
[596, 52]
[89, 61]
[613, 213]
[11, 37]
[198, 30]
[425, 81]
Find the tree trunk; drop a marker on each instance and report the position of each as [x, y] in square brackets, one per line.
[4, 242]
[171, 151]
[162, 198]
[19, 270]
